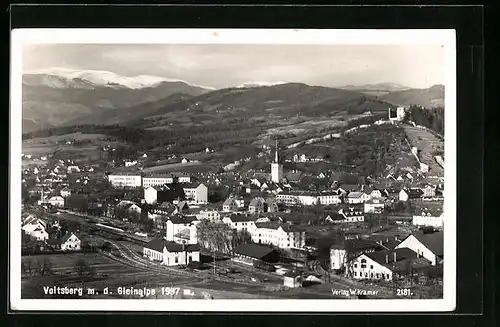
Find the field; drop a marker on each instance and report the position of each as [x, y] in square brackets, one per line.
[427, 143]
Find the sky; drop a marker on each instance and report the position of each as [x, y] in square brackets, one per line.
[220, 66]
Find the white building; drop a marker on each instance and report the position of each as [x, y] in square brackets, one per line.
[150, 195]
[230, 205]
[211, 215]
[355, 197]
[65, 192]
[429, 219]
[182, 229]
[241, 222]
[375, 205]
[305, 198]
[281, 235]
[57, 201]
[125, 180]
[276, 168]
[429, 246]
[130, 163]
[170, 253]
[73, 169]
[70, 242]
[157, 181]
[197, 193]
[331, 197]
[350, 216]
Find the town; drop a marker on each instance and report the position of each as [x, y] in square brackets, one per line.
[259, 233]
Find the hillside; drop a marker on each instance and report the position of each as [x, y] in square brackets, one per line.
[57, 100]
[429, 98]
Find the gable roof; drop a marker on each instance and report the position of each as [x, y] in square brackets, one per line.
[254, 250]
[241, 218]
[181, 219]
[229, 201]
[66, 237]
[354, 195]
[432, 241]
[256, 201]
[160, 243]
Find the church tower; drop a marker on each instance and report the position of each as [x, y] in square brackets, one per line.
[276, 168]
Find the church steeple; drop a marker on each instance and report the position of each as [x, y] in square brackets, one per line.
[276, 153]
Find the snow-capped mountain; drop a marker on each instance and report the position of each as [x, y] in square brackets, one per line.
[66, 77]
[257, 84]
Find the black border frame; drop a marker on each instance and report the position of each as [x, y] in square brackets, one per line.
[467, 20]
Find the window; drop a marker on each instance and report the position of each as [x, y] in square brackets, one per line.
[363, 263]
[176, 259]
[371, 275]
[366, 275]
[355, 265]
[371, 266]
[378, 275]
[355, 274]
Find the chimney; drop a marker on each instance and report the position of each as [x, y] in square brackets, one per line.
[386, 258]
[394, 256]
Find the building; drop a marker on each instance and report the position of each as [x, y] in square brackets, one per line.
[375, 205]
[272, 205]
[354, 197]
[151, 194]
[170, 253]
[296, 197]
[241, 222]
[73, 169]
[196, 192]
[230, 204]
[65, 192]
[341, 253]
[281, 235]
[181, 228]
[211, 215]
[410, 194]
[276, 168]
[429, 219]
[248, 253]
[384, 265]
[429, 191]
[70, 242]
[398, 115]
[157, 181]
[429, 246]
[292, 279]
[130, 163]
[57, 201]
[330, 197]
[257, 205]
[125, 180]
[351, 216]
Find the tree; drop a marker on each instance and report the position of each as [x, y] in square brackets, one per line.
[215, 236]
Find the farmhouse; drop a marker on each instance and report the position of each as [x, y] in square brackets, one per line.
[69, 242]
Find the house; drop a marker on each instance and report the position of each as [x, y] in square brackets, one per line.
[330, 197]
[348, 249]
[57, 201]
[184, 160]
[40, 234]
[248, 253]
[73, 169]
[375, 205]
[181, 228]
[170, 253]
[292, 279]
[210, 215]
[354, 197]
[241, 222]
[272, 205]
[65, 192]
[68, 242]
[257, 205]
[410, 194]
[351, 216]
[278, 234]
[150, 194]
[429, 246]
[130, 163]
[384, 265]
[230, 204]
[429, 191]
[428, 219]
[196, 192]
